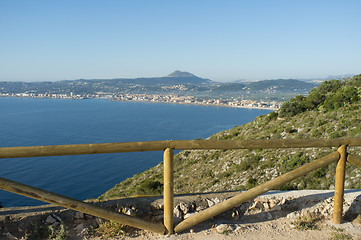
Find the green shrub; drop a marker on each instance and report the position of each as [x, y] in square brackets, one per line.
[251, 183]
[224, 175]
[271, 116]
[150, 187]
[289, 163]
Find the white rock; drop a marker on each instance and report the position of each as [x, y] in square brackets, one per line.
[266, 206]
[213, 201]
[222, 228]
[129, 212]
[184, 208]
[177, 215]
[256, 205]
[235, 215]
[50, 219]
[275, 208]
[291, 215]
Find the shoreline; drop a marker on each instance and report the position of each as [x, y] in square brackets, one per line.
[142, 101]
[200, 104]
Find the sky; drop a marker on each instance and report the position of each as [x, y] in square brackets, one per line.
[228, 40]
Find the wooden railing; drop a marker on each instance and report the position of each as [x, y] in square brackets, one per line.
[167, 227]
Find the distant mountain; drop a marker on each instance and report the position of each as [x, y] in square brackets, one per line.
[181, 74]
[175, 78]
[174, 82]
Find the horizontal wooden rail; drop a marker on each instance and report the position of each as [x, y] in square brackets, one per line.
[254, 192]
[98, 148]
[45, 196]
[354, 160]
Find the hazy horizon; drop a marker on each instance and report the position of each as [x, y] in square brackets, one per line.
[225, 81]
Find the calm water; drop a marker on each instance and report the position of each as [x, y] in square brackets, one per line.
[31, 122]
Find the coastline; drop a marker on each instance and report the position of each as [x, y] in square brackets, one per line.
[212, 102]
[200, 104]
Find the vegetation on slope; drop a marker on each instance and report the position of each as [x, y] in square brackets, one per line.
[330, 111]
[329, 95]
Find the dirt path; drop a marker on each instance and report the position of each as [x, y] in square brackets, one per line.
[270, 216]
[280, 229]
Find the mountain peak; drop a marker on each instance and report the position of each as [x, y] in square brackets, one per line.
[178, 73]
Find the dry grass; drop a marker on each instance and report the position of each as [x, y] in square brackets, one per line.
[108, 229]
[307, 222]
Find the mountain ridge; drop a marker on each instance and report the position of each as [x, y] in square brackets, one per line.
[183, 83]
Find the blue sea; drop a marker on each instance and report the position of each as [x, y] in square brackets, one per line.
[33, 122]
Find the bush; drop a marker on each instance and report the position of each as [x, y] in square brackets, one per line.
[272, 115]
[251, 183]
[287, 164]
[149, 187]
[245, 165]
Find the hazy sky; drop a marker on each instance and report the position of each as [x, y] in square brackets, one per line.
[220, 40]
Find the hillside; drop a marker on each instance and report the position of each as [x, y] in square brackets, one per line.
[302, 117]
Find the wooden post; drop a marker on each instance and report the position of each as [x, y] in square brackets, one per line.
[339, 185]
[168, 190]
[77, 205]
[254, 192]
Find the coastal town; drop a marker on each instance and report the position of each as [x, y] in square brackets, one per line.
[157, 98]
[198, 101]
